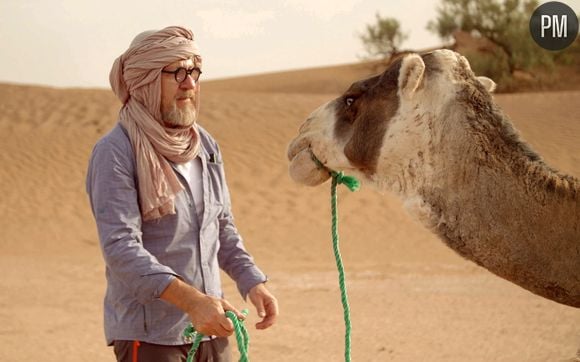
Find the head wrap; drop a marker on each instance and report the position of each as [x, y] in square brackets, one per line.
[136, 80]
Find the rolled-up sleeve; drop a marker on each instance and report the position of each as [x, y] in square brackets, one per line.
[113, 196]
[232, 256]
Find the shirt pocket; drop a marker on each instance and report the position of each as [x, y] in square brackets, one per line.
[217, 196]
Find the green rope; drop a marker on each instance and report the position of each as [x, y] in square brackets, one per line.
[338, 178]
[242, 337]
[353, 185]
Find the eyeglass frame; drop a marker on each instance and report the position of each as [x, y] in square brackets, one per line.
[187, 73]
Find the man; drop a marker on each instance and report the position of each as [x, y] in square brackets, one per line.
[162, 207]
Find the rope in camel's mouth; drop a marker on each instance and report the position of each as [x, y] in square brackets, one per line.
[349, 181]
[353, 185]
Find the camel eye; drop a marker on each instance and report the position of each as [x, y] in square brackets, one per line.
[349, 101]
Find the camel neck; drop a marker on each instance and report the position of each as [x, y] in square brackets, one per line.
[496, 203]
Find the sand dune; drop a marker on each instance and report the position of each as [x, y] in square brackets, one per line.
[411, 298]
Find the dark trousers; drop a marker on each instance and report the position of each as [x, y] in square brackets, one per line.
[215, 350]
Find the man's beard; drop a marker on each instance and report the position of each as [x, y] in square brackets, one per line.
[179, 117]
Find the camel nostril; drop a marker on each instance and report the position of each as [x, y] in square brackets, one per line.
[304, 125]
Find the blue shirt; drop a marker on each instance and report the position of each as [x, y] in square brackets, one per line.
[143, 257]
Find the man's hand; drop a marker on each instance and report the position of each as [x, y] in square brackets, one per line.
[207, 313]
[266, 305]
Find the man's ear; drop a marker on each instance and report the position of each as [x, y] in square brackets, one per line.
[410, 75]
[487, 83]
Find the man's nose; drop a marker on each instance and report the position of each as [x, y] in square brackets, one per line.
[188, 83]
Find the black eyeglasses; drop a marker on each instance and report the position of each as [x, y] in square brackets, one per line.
[181, 73]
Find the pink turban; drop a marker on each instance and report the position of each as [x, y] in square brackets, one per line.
[136, 80]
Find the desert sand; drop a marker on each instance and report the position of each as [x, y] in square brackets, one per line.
[411, 298]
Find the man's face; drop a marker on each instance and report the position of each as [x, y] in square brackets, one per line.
[179, 101]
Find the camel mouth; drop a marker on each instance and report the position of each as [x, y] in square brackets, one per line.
[303, 169]
[296, 146]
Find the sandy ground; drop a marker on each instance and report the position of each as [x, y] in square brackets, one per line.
[412, 299]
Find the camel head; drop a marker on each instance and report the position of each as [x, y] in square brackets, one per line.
[380, 124]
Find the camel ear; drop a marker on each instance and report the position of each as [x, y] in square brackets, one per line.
[410, 75]
[487, 83]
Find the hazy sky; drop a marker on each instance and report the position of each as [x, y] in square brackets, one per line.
[72, 43]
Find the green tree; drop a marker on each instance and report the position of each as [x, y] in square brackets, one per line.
[506, 24]
[383, 38]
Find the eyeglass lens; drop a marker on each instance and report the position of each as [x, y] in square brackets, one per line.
[182, 73]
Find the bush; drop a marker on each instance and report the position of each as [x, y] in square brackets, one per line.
[384, 38]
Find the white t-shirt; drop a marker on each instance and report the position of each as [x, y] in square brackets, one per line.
[192, 171]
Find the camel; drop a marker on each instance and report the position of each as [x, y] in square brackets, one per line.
[428, 130]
